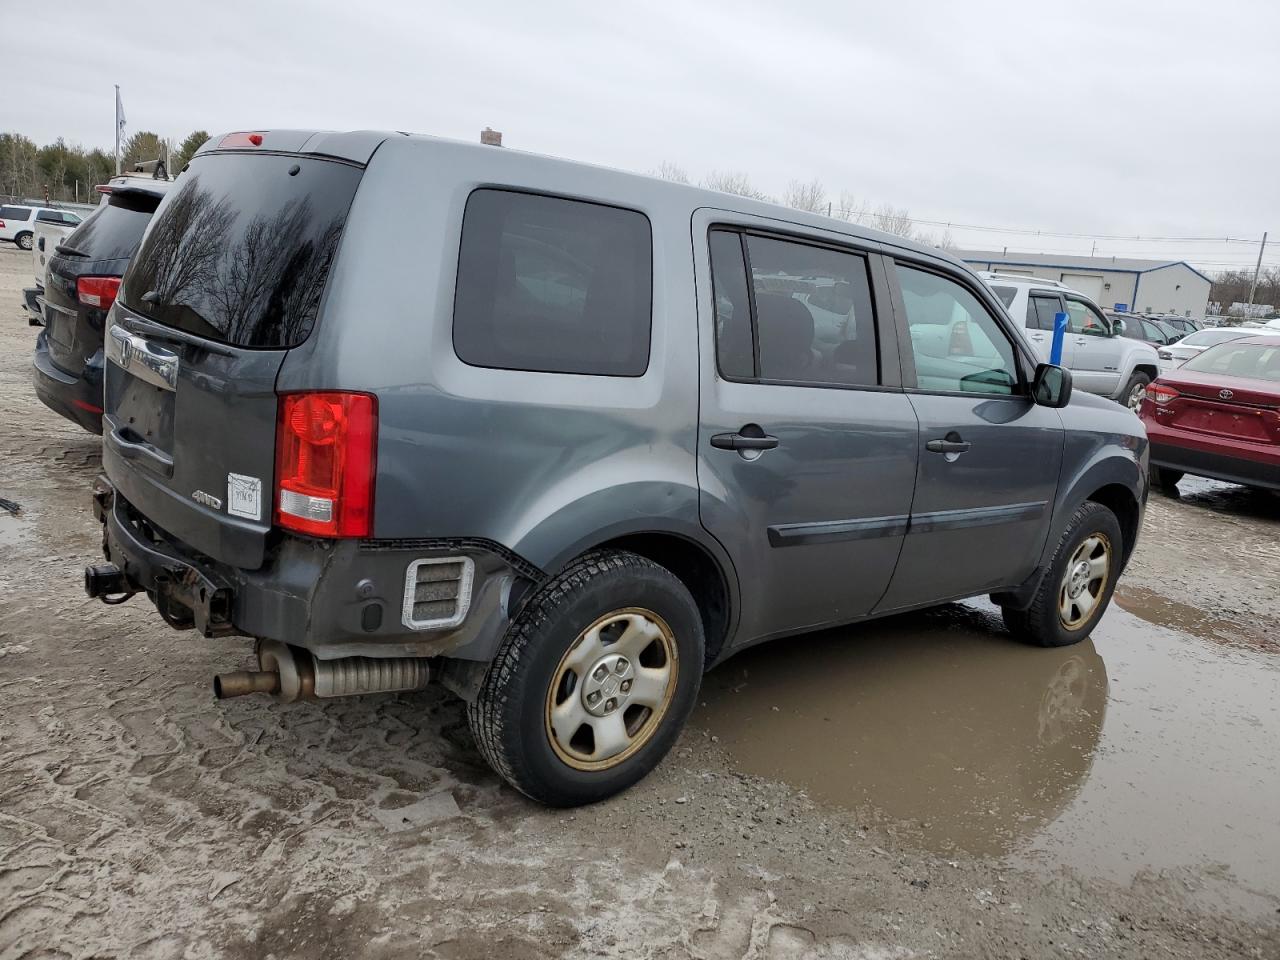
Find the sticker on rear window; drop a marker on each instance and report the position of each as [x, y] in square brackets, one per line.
[244, 496]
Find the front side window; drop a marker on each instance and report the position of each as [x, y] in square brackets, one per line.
[1084, 319]
[956, 344]
[553, 285]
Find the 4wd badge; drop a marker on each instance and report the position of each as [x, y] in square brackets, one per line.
[207, 499]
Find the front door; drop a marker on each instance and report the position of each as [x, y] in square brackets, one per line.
[989, 457]
[807, 445]
[1096, 353]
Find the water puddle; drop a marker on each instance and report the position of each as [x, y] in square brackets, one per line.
[1138, 749]
[1154, 608]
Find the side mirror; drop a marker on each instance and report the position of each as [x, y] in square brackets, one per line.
[1051, 386]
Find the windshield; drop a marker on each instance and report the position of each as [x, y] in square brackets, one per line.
[1254, 361]
[240, 250]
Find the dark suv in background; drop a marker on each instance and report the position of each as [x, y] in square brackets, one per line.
[81, 283]
[561, 438]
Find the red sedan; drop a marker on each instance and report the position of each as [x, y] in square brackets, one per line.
[1218, 415]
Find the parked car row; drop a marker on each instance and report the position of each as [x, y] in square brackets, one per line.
[559, 437]
[18, 222]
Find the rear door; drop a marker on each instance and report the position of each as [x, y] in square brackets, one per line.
[1042, 307]
[988, 456]
[1096, 353]
[807, 444]
[228, 278]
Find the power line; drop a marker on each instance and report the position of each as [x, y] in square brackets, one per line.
[1022, 231]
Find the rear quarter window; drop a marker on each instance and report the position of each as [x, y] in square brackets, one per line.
[553, 285]
[15, 213]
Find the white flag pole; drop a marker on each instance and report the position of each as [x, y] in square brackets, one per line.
[119, 127]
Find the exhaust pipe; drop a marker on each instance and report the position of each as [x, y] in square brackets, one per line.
[293, 674]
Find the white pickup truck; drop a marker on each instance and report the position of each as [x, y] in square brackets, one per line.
[47, 233]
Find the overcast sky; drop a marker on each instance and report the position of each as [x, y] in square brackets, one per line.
[1159, 119]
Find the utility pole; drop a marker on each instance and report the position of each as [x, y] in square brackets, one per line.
[1253, 287]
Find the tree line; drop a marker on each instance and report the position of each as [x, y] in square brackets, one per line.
[1232, 286]
[61, 171]
[812, 197]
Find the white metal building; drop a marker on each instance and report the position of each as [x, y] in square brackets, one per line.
[1120, 283]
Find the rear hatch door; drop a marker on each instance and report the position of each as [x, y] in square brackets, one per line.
[99, 248]
[229, 277]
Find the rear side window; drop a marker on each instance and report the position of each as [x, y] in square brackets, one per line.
[553, 286]
[15, 213]
[1006, 294]
[1041, 312]
[114, 230]
[241, 248]
[807, 318]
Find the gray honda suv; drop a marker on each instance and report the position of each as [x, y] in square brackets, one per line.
[560, 438]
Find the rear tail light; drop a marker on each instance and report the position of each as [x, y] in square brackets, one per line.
[1161, 393]
[1, 224]
[326, 456]
[97, 292]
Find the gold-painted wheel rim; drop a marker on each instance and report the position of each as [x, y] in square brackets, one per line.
[611, 690]
[1084, 582]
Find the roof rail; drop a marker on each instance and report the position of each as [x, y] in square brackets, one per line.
[1022, 278]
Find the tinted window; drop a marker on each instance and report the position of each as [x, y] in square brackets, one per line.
[957, 346]
[114, 230]
[1006, 294]
[814, 322]
[1132, 328]
[735, 346]
[558, 286]
[15, 213]
[49, 216]
[1041, 312]
[1256, 361]
[240, 249]
[1082, 318]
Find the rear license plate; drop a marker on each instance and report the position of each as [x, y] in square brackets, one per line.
[1247, 425]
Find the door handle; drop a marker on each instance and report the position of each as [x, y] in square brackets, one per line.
[739, 441]
[1082, 341]
[952, 444]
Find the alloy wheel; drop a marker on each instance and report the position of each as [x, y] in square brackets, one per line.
[1084, 581]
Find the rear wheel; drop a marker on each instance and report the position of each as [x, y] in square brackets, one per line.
[1078, 585]
[1165, 479]
[23, 240]
[1135, 390]
[593, 682]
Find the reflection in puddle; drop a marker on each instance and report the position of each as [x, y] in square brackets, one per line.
[1163, 757]
[937, 719]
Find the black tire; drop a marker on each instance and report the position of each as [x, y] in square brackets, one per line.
[23, 240]
[1138, 380]
[1166, 479]
[510, 717]
[1042, 623]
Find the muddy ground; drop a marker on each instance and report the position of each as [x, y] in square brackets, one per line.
[920, 787]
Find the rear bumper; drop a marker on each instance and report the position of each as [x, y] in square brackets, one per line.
[334, 598]
[1207, 456]
[31, 303]
[78, 398]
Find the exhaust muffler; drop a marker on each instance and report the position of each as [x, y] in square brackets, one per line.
[290, 674]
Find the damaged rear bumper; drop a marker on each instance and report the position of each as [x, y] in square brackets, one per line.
[335, 598]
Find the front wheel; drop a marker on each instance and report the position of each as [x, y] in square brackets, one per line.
[593, 681]
[1077, 587]
[23, 240]
[1135, 390]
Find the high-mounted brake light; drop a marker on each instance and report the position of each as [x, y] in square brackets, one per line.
[103, 188]
[326, 457]
[241, 140]
[1162, 393]
[97, 292]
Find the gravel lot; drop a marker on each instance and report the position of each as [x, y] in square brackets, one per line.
[921, 787]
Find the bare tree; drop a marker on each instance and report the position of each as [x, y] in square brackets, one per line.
[810, 196]
[670, 170]
[735, 182]
[850, 208]
[891, 219]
